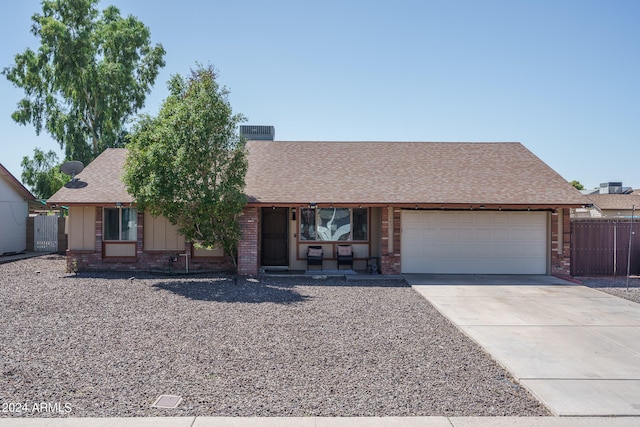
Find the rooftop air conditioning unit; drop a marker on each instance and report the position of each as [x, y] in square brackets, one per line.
[266, 133]
[611, 188]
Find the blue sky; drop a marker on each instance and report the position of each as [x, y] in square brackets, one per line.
[561, 76]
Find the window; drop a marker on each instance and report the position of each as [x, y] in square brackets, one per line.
[120, 224]
[333, 224]
[360, 224]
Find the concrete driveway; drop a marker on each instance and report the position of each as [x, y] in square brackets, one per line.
[576, 349]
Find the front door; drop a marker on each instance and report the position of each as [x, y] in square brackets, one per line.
[275, 237]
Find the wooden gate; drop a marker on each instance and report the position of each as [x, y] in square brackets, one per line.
[601, 247]
[45, 233]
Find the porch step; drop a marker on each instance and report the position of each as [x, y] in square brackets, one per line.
[318, 272]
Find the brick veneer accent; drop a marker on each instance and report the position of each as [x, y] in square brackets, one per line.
[561, 259]
[92, 260]
[248, 245]
[390, 230]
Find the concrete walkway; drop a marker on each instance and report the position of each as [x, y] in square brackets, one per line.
[575, 348]
[322, 422]
[23, 255]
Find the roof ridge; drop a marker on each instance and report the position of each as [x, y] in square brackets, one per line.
[381, 142]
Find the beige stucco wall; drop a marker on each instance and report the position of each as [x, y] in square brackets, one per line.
[120, 249]
[81, 226]
[160, 234]
[375, 225]
[294, 263]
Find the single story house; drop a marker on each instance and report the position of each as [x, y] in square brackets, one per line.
[15, 201]
[414, 207]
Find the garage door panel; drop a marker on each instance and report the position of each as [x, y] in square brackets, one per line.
[486, 242]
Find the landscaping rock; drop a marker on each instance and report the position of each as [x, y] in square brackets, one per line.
[108, 344]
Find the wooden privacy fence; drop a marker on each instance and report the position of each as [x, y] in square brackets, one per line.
[601, 247]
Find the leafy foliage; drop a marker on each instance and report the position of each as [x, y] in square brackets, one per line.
[188, 163]
[42, 173]
[577, 185]
[91, 72]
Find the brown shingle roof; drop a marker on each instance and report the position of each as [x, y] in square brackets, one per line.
[403, 172]
[103, 179]
[615, 201]
[367, 172]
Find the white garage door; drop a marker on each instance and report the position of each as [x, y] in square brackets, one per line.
[478, 242]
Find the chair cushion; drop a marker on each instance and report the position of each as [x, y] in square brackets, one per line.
[344, 250]
[314, 252]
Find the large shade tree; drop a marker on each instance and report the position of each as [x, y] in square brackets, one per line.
[90, 74]
[189, 163]
[41, 175]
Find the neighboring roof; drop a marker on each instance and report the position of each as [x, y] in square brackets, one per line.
[403, 172]
[615, 201]
[13, 181]
[99, 183]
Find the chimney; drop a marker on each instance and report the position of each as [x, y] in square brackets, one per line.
[251, 132]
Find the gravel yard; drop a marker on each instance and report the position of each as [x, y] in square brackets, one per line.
[615, 286]
[105, 345]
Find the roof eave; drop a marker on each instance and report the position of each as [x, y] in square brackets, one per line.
[421, 205]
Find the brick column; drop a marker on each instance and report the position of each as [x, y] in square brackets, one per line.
[390, 241]
[561, 242]
[140, 234]
[248, 245]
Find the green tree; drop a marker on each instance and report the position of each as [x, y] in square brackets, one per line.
[42, 173]
[91, 73]
[189, 163]
[577, 185]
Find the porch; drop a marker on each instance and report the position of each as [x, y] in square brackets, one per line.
[276, 239]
